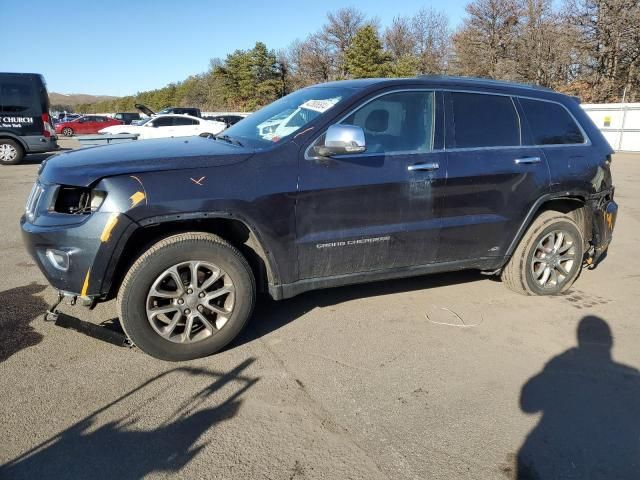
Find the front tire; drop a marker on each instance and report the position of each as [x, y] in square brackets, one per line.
[11, 153]
[549, 257]
[186, 297]
[67, 132]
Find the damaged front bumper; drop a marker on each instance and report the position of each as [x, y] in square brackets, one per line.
[604, 211]
[91, 247]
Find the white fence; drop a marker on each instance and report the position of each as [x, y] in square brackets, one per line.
[619, 123]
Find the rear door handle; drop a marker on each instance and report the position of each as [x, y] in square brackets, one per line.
[424, 166]
[527, 160]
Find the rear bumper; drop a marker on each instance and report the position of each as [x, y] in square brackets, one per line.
[39, 144]
[604, 212]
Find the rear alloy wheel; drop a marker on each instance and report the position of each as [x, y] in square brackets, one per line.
[10, 152]
[67, 132]
[549, 257]
[186, 297]
[553, 259]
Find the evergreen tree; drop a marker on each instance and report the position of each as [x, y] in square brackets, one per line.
[250, 79]
[366, 58]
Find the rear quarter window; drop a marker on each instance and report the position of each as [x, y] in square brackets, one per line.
[484, 120]
[19, 95]
[550, 123]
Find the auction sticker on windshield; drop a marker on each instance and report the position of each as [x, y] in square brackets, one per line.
[320, 105]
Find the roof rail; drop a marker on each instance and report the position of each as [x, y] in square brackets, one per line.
[485, 81]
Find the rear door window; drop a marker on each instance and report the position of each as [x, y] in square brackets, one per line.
[550, 123]
[484, 120]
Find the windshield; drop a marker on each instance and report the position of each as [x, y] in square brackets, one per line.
[287, 115]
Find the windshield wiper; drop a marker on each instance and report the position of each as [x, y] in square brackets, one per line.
[228, 139]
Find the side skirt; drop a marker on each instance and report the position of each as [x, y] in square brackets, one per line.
[288, 290]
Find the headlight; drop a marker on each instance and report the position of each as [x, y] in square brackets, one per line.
[78, 200]
[32, 202]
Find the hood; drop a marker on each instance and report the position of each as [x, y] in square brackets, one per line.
[85, 166]
[144, 109]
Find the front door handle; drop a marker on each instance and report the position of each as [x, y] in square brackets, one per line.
[527, 160]
[423, 166]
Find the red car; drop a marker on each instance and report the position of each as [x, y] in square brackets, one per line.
[86, 124]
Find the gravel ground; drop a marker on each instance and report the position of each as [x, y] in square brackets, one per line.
[442, 377]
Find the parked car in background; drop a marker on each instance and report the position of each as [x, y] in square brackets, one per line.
[85, 125]
[127, 117]
[65, 117]
[366, 180]
[227, 119]
[166, 126]
[25, 122]
[194, 112]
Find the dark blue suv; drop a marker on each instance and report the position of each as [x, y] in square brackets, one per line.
[339, 183]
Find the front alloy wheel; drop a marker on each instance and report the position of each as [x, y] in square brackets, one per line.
[190, 301]
[186, 297]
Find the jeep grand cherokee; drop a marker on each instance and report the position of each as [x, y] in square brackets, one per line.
[338, 183]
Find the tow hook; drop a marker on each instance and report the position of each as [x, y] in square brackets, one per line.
[51, 315]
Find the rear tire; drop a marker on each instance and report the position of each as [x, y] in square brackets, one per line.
[11, 152]
[548, 259]
[201, 326]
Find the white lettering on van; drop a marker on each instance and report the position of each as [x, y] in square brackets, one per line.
[28, 120]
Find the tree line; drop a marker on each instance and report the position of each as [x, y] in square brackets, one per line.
[587, 48]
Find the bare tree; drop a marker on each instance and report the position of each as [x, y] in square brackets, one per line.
[485, 43]
[544, 45]
[338, 33]
[609, 43]
[430, 32]
[311, 62]
[398, 38]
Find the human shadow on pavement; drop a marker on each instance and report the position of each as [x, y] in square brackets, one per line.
[125, 449]
[18, 308]
[590, 405]
[270, 315]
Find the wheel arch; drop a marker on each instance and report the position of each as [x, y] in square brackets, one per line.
[15, 138]
[566, 202]
[238, 232]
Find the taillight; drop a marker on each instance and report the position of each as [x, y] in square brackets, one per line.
[47, 129]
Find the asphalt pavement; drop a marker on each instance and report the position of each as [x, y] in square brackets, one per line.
[447, 376]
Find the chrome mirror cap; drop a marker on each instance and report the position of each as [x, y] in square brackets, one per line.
[342, 140]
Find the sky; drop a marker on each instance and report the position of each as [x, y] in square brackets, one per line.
[122, 47]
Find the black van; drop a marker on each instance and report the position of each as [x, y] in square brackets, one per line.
[25, 124]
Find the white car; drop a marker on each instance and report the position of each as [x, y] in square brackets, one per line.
[166, 126]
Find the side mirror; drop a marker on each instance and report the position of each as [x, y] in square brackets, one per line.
[342, 140]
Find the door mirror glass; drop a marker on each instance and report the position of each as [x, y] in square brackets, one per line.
[342, 140]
